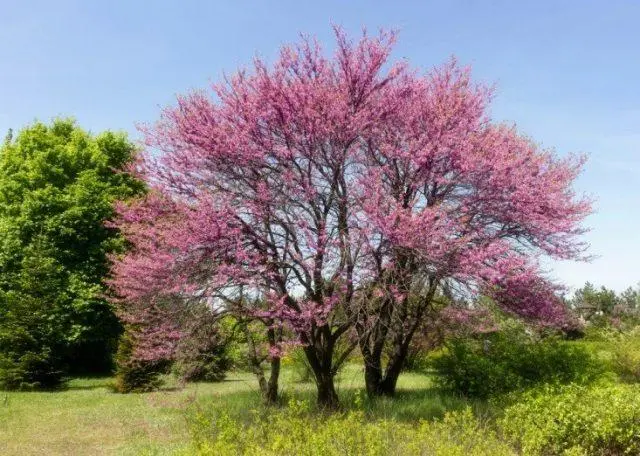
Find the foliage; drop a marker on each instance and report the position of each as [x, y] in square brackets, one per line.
[630, 298]
[590, 301]
[30, 358]
[32, 325]
[297, 362]
[576, 420]
[511, 360]
[604, 307]
[203, 354]
[325, 183]
[135, 374]
[293, 431]
[604, 310]
[57, 186]
[626, 355]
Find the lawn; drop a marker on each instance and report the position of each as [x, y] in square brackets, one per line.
[87, 418]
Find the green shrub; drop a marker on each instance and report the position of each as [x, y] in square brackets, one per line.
[133, 374]
[202, 356]
[293, 431]
[30, 344]
[29, 371]
[511, 360]
[626, 355]
[576, 420]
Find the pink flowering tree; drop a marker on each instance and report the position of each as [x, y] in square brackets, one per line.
[456, 201]
[344, 193]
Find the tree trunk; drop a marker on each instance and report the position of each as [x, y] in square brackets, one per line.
[371, 340]
[268, 388]
[394, 368]
[390, 330]
[379, 382]
[327, 396]
[372, 377]
[320, 359]
[270, 394]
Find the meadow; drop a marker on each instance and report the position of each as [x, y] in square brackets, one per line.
[596, 414]
[89, 418]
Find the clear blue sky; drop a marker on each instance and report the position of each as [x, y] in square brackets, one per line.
[567, 73]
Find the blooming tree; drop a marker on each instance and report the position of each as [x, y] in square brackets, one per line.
[345, 192]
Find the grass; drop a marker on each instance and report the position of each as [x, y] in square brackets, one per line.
[88, 418]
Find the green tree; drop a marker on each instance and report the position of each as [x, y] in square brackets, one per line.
[57, 188]
[630, 298]
[589, 301]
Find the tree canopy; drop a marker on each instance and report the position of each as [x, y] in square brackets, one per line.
[347, 191]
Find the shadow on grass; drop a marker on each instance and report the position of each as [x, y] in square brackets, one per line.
[87, 383]
[409, 405]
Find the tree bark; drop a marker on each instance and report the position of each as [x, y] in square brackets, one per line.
[373, 378]
[395, 329]
[320, 357]
[394, 368]
[270, 395]
[379, 381]
[327, 396]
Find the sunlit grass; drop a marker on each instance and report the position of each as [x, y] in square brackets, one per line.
[88, 418]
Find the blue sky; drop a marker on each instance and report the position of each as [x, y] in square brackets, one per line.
[567, 73]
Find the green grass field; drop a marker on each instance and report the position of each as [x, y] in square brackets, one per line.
[89, 419]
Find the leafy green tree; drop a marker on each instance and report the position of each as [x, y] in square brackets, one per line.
[630, 298]
[57, 188]
[590, 301]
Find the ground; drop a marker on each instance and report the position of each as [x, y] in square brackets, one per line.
[89, 419]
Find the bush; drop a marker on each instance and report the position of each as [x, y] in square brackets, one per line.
[626, 356]
[293, 431]
[29, 371]
[203, 355]
[576, 420]
[133, 374]
[511, 360]
[30, 344]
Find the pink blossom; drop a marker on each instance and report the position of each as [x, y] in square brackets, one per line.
[311, 179]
